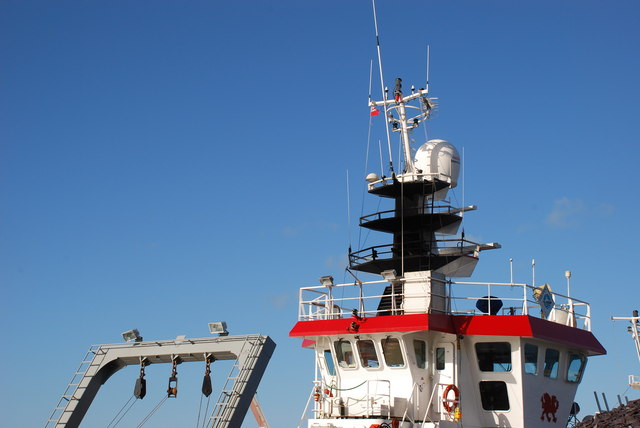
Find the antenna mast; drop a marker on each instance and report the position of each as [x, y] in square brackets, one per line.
[428, 66]
[634, 320]
[384, 93]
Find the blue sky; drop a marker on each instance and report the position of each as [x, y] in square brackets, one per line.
[166, 164]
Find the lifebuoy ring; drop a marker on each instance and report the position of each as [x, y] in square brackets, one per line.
[450, 405]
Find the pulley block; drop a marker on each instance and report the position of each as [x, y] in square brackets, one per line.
[140, 389]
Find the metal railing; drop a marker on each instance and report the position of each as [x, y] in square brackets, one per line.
[340, 300]
[407, 178]
[389, 251]
[426, 208]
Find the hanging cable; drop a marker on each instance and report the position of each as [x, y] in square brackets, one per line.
[199, 411]
[366, 162]
[206, 411]
[118, 415]
[155, 409]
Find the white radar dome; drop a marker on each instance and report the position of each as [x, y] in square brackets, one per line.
[440, 160]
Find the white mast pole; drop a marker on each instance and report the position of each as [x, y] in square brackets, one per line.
[428, 67]
[380, 149]
[406, 146]
[384, 96]
[533, 271]
[511, 269]
[567, 274]
[348, 211]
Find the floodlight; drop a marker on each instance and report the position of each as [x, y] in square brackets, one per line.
[219, 327]
[327, 281]
[132, 335]
[389, 275]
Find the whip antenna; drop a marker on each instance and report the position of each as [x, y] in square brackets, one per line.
[428, 66]
[370, 77]
[384, 93]
[348, 212]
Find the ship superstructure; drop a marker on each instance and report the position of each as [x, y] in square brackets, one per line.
[419, 347]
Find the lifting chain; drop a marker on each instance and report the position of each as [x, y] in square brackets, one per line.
[207, 389]
[172, 390]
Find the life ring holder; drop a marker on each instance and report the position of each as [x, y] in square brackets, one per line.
[450, 405]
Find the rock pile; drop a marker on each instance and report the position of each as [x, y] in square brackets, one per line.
[621, 417]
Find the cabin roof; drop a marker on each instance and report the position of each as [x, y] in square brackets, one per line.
[524, 326]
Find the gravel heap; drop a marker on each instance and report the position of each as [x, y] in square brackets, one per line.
[621, 417]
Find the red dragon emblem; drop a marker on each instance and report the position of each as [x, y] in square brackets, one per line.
[550, 406]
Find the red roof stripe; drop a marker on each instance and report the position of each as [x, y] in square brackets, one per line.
[480, 325]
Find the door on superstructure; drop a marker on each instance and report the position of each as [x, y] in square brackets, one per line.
[444, 372]
[328, 381]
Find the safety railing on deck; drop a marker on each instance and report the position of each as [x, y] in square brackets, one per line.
[422, 209]
[376, 298]
[446, 246]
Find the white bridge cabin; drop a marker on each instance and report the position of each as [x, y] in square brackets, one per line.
[383, 359]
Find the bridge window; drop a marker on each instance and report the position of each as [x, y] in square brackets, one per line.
[530, 359]
[440, 358]
[494, 395]
[420, 349]
[328, 358]
[344, 354]
[392, 352]
[494, 356]
[368, 355]
[551, 363]
[576, 367]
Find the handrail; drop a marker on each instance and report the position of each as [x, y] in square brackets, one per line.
[404, 178]
[306, 407]
[426, 412]
[458, 243]
[369, 397]
[414, 389]
[426, 208]
[320, 302]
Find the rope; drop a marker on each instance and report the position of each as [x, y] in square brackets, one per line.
[366, 168]
[199, 410]
[206, 411]
[120, 411]
[155, 409]
[344, 389]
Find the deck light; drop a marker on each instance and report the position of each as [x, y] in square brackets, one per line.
[327, 281]
[389, 275]
[132, 335]
[219, 327]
